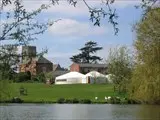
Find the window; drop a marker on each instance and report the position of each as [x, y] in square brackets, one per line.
[61, 80]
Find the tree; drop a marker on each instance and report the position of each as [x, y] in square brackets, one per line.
[23, 26]
[146, 75]
[86, 55]
[120, 66]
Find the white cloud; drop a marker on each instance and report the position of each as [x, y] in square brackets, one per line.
[66, 9]
[74, 28]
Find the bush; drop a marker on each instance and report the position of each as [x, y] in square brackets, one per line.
[22, 77]
[75, 100]
[39, 78]
[131, 101]
[61, 100]
[49, 76]
[35, 79]
[124, 101]
[114, 100]
[68, 101]
[16, 100]
[86, 101]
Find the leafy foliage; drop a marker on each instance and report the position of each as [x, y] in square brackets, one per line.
[120, 66]
[20, 27]
[86, 55]
[146, 76]
[23, 77]
[49, 76]
[5, 92]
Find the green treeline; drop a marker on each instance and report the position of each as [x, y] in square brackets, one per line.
[138, 74]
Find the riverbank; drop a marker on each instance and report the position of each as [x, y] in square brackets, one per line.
[112, 100]
[42, 93]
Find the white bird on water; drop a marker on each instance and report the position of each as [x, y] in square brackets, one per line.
[109, 97]
[105, 98]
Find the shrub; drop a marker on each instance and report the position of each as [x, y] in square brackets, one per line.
[86, 101]
[41, 77]
[22, 77]
[131, 101]
[35, 79]
[75, 100]
[49, 76]
[16, 100]
[124, 101]
[114, 100]
[68, 101]
[61, 100]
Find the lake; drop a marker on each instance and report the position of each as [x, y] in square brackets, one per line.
[79, 112]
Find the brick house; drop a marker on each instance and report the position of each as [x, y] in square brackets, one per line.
[36, 65]
[86, 67]
[33, 64]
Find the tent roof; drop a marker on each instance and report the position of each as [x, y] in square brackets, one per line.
[71, 75]
[94, 74]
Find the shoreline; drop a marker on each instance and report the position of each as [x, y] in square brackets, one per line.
[65, 102]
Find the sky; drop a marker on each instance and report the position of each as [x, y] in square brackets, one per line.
[67, 36]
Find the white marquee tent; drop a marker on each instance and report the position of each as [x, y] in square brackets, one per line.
[71, 78]
[96, 77]
[95, 74]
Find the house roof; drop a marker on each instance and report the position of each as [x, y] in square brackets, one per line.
[59, 72]
[38, 59]
[57, 67]
[93, 65]
[42, 59]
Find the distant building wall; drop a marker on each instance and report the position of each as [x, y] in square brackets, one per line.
[31, 67]
[35, 68]
[44, 67]
[75, 67]
[28, 53]
[85, 69]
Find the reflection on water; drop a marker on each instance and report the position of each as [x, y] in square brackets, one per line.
[78, 112]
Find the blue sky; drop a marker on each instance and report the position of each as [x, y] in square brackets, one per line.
[74, 29]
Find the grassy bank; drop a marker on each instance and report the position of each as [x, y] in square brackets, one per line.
[41, 93]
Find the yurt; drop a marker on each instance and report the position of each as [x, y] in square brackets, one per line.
[95, 77]
[71, 78]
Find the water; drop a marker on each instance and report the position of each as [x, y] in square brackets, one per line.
[78, 112]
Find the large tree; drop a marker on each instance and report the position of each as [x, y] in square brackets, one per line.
[87, 53]
[146, 76]
[120, 65]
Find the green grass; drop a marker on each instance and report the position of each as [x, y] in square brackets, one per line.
[39, 92]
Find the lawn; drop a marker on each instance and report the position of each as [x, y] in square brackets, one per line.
[38, 92]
